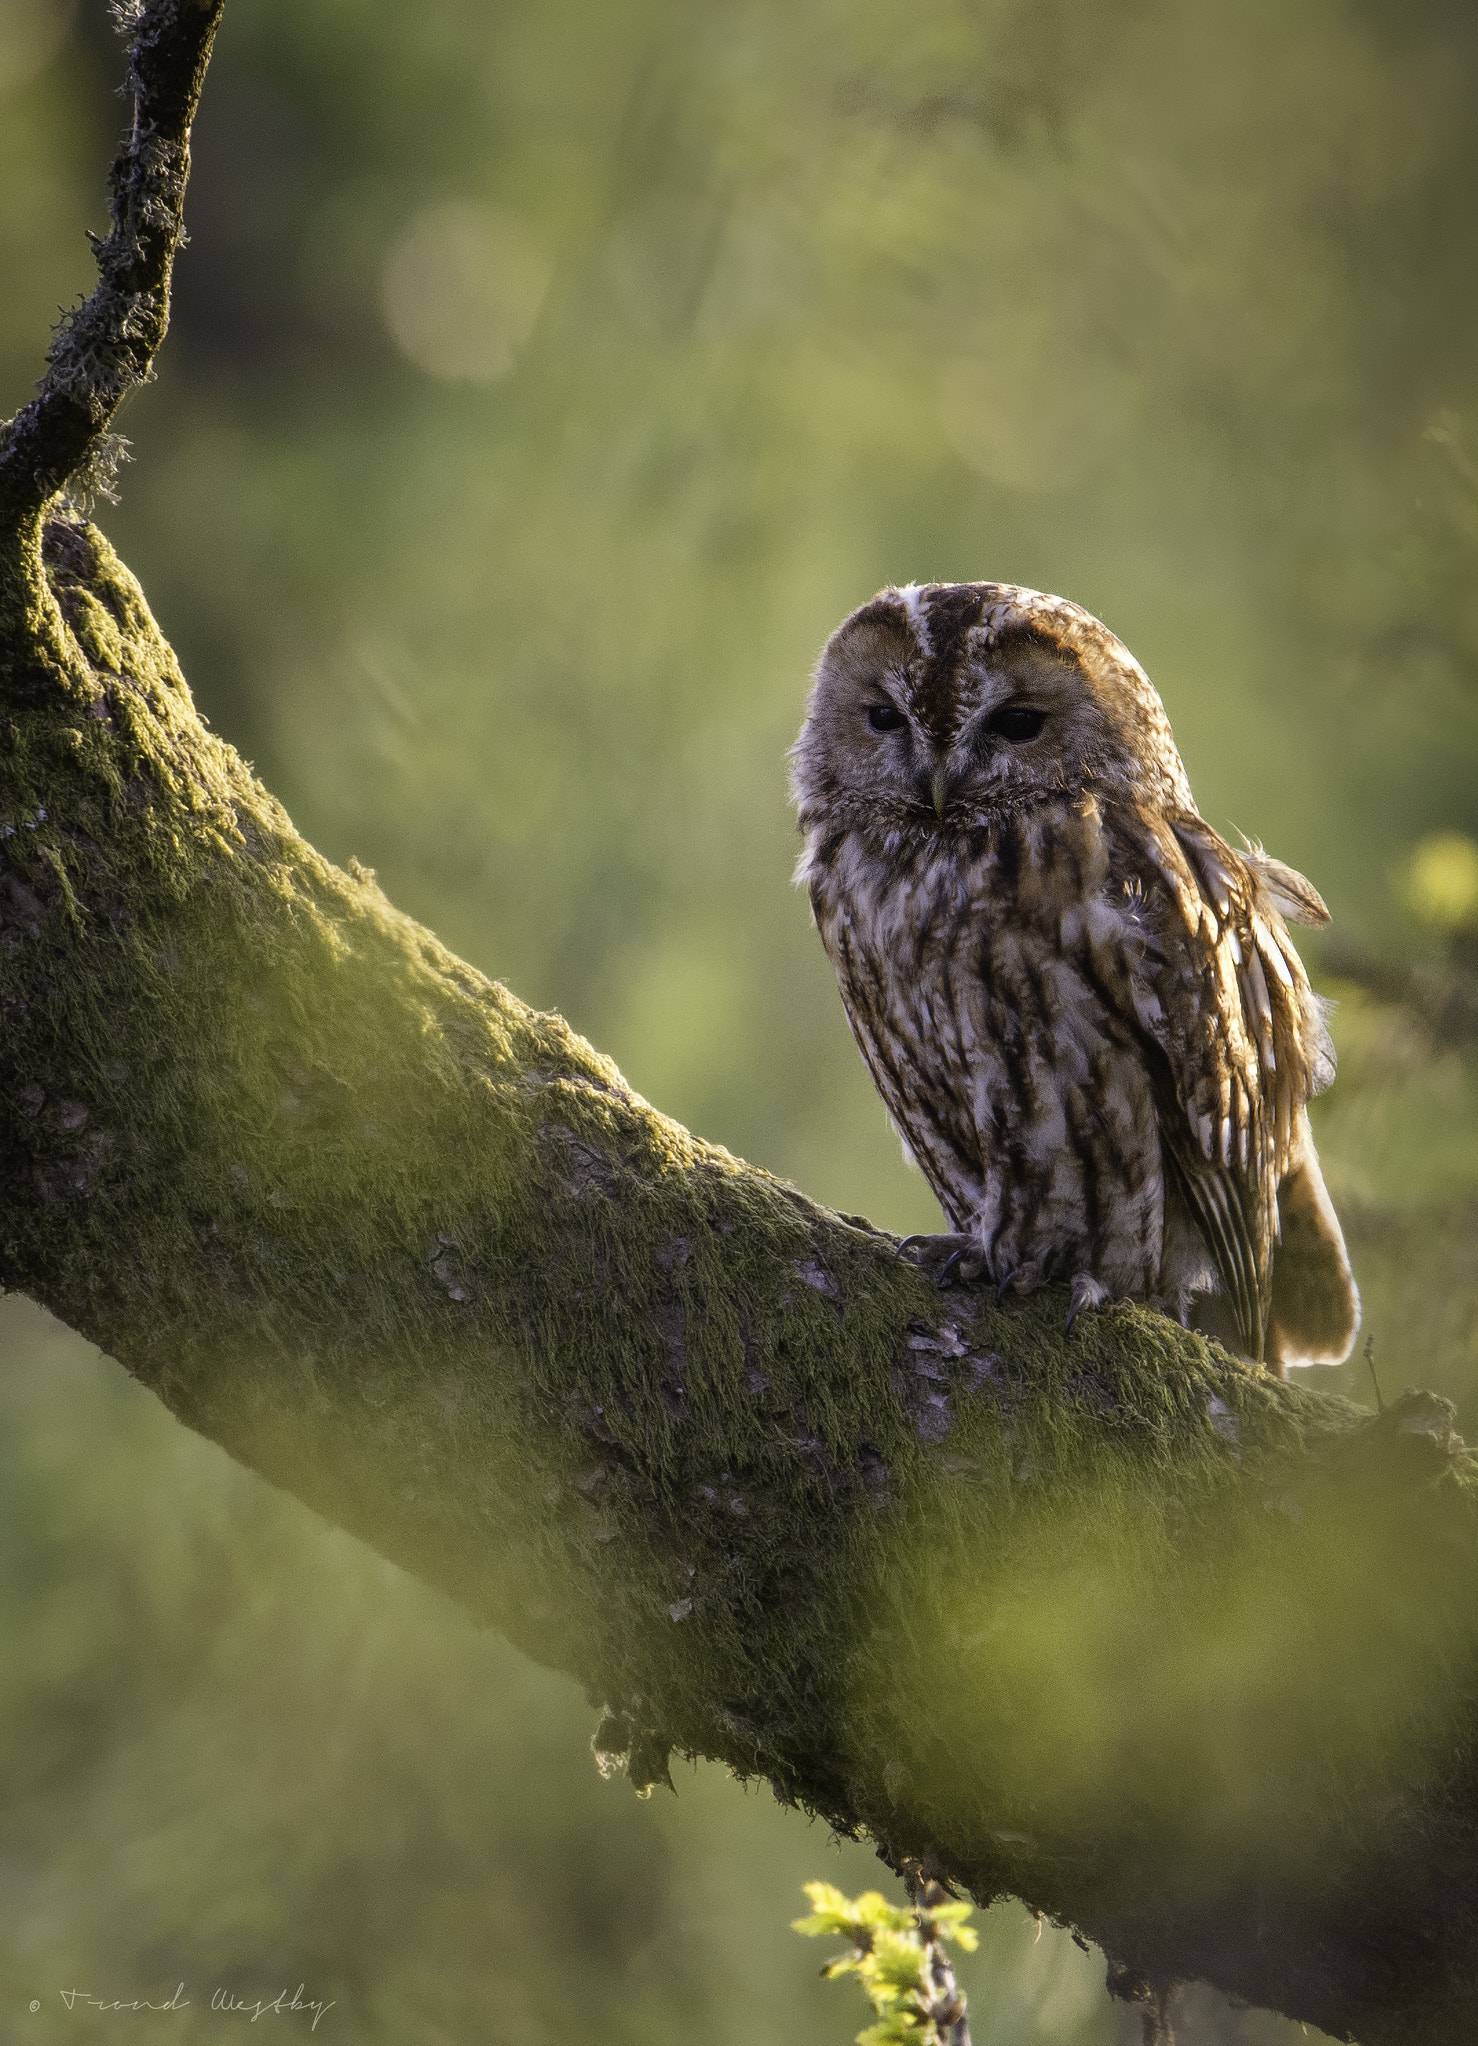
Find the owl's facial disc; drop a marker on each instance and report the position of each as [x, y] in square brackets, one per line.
[940, 707]
[937, 770]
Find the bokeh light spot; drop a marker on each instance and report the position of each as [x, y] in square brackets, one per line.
[461, 290]
[1443, 881]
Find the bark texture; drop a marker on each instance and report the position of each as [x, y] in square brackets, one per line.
[1105, 1620]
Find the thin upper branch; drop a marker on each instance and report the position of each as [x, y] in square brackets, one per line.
[105, 348]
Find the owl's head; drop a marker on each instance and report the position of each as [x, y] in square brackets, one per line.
[938, 706]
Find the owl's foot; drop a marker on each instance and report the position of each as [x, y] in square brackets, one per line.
[1087, 1292]
[946, 1258]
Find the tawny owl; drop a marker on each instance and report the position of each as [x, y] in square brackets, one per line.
[1081, 1006]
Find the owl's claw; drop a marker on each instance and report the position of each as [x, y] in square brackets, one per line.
[945, 1258]
[1087, 1292]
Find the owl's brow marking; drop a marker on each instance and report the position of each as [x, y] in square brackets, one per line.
[951, 612]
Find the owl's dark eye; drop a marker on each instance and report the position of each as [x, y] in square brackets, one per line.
[1015, 723]
[883, 718]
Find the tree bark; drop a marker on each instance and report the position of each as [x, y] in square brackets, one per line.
[1105, 1619]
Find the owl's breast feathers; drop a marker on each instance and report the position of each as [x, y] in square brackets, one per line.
[1088, 1021]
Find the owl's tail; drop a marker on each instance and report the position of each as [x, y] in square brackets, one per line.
[1316, 1304]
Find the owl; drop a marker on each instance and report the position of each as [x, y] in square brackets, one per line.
[1081, 1006]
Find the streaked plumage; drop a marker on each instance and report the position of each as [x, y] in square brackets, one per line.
[1081, 1006]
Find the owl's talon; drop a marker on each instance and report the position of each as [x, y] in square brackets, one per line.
[945, 1258]
[1087, 1292]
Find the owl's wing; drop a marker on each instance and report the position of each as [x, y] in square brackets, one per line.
[1222, 993]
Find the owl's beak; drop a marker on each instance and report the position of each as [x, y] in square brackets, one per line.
[939, 789]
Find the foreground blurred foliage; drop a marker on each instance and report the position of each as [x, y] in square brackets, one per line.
[238, 1748]
[545, 382]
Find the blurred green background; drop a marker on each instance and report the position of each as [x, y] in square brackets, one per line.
[546, 379]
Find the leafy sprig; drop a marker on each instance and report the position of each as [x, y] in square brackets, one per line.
[897, 1954]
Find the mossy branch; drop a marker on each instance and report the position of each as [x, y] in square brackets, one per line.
[1105, 1620]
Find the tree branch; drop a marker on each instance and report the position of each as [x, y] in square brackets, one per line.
[1104, 1620]
[105, 348]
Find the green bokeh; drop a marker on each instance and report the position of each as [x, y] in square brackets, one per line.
[546, 380]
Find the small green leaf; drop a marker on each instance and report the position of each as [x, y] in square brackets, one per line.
[897, 1955]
